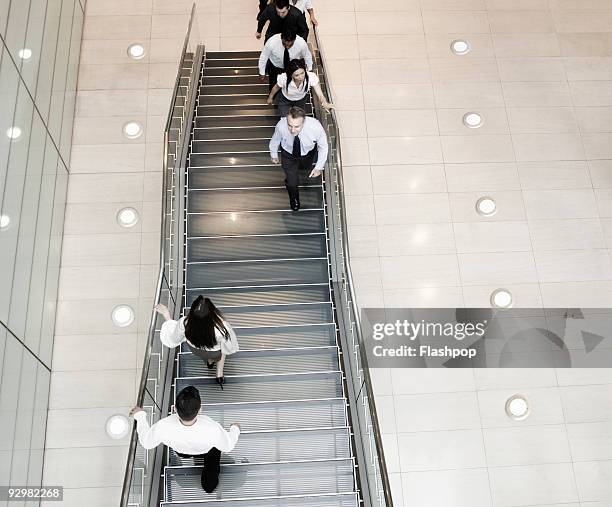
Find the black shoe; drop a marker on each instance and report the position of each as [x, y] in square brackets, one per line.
[210, 366]
[295, 204]
[220, 381]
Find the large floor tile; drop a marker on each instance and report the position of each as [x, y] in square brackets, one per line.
[482, 177]
[469, 95]
[116, 26]
[408, 179]
[544, 147]
[92, 497]
[586, 403]
[395, 71]
[425, 297]
[107, 158]
[387, 23]
[537, 94]
[98, 188]
[509, 205]
[531, 69]
[461, 149]
[436, 412]
[357, 180]
[554, 175]
[416, 239]
[577, 294]
[560, 204]
[501, 268]
[113, 352]
[409, 45]
[419, 271]
[466, 71]
[593, 483]
[428, 381]
[410, 122]
[411, 208]
[474, 237]
[590, 441]
[594, 119]
[94, 282]
[360, 210]
[405, 150]
[101, 249]
[591, 93]
[494, 121]
[462, 488]
[542, 120]
[595, 68]
[455, 22]
[524, 295]
[363, 240]
[441, 450]
[540, 484]
[438, 44]
[573, 265]
[524, 22]
[400, 96]
[566, 234]
[514, 378]
[525, 44]
[530, 445]
[92, 389]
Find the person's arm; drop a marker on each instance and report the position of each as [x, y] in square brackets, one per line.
[263, 58]
[172, 333]
[307, 56]
[273, 92]
[322, 99]
[275, 143]
[322, 150]
[226, 440]
[148, 436]
[311, 13]
[261, 21]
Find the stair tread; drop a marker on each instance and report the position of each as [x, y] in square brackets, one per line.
[264, 362]
[204, 178]
[263, 480]
[266, 296]
[263, 132]
[334, 500]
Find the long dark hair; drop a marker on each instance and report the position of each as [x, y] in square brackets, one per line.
[294, 65]
[200, 324]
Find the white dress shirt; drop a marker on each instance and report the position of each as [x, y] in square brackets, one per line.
[291, 91]
[172, 334]
[275, 52]
[199, 438]
[303, 5]
[311, 135]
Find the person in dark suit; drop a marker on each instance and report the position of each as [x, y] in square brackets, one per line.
[280, 16]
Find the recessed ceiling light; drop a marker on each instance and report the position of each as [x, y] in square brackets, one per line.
[472, 120]
[132, 130]
[122, 315]
[5, 221]
[13, 133]
[136, 51]
[117, 426]
[501, 298]
[25, 53]
[486, 206]
[460, 47]
[127, 217]
[517, 407]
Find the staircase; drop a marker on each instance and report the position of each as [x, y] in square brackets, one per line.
[267, 268]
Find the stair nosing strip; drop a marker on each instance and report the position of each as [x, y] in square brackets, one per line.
[310, 400]
[283, 349]
[266, 375]
[197, 263]
[204, 502]
[260, 235]
[297, 430]
[255, 286]
[277, 285]
[283, 462]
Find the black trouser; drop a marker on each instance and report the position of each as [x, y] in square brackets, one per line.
[210, 472]
[273, 72]
[284, 104]
[292, 165]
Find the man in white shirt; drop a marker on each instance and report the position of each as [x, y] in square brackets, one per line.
[279, 51]
[301, 139]
[189, 434]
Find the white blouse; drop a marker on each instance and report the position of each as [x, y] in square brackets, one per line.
[292, 92]
[172, 334]
[302, 4]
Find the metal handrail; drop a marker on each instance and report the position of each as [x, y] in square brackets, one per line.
[349, 282]
[162, 265]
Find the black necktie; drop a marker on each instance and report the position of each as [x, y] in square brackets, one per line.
[297, 148]
[286, 59]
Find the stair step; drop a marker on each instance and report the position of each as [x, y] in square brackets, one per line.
[265, 296]
[282, 337]
[280, 415]
[279, 222]
[252, 388]
[234, 146]
[242, 481]
[225, 55]
[227, 86]
[232, 72]
[232, 100]
[249, 274]
[270, 447]
[230, 159]
[251, 248]
[203, 178]
[245, 133]
[233, 62]
[264, 362]
[261, 199]
[235, 121]
[339, 500]
[259, 110]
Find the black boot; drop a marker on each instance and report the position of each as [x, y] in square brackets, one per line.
[294, 198]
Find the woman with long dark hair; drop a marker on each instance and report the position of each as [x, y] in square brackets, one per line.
[294, 85]
[207, 333]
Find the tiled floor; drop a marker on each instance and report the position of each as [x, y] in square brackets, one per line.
[539, 72]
